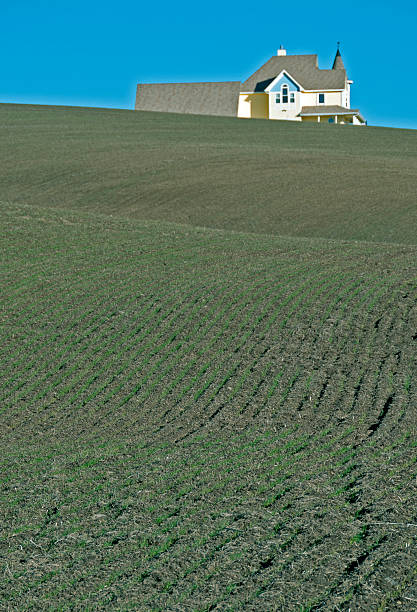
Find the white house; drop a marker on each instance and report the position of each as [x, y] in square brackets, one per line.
[285, 87]
[293, 87]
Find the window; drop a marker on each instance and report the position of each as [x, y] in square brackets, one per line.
[285, 96]
[321, 98]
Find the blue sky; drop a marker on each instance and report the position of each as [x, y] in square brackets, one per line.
[91, 53]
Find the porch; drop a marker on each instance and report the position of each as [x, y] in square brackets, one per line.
[331, 114]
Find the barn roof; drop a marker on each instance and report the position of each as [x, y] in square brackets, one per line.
[219, 98]
[303, 68]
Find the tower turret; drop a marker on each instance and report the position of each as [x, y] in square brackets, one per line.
[338, 62]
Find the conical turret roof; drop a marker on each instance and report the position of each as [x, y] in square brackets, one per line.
[338, 62]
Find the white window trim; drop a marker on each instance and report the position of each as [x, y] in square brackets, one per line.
[280, 94]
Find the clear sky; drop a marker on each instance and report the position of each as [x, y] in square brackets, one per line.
[92, 53]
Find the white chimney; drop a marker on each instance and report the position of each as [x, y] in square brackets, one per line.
[281, 51]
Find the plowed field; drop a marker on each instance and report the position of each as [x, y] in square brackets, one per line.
[202, 419]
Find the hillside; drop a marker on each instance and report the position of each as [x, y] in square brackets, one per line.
[196, 418]
[280, 178]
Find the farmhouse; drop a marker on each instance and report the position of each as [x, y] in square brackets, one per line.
[290, 87]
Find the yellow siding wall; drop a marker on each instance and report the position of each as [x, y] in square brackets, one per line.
[331, 98]
[309, 99]
[253, 106]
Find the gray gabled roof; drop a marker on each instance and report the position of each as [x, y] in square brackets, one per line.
[303, 68]
[194, 98]
[322, 109]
